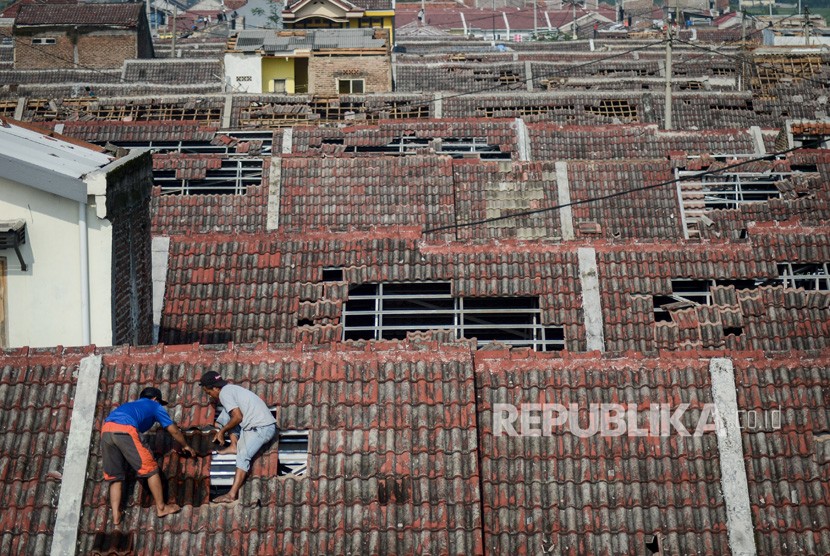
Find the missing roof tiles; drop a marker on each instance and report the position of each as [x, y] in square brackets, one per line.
[392, 311]
[809, 276]
[652, 545]
[293, 453]
[333, 274]
[614, 108]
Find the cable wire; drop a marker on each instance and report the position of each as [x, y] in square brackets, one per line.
[749, 60]
[613, 195]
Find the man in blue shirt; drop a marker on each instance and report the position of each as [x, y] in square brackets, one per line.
[121, 445]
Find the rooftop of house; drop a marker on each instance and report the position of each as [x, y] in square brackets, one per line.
[62, 155]
[387, 280]
[356, 5]
[405, 453]
[272, 41]
[12, 10]
[123, 15]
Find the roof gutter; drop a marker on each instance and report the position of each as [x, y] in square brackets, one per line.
[43, 179]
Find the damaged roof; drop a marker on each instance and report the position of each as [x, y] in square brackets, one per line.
[271, 41]
[409, 451]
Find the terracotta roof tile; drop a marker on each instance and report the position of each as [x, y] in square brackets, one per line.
[118, 15]
[36, 396]
[390, 468]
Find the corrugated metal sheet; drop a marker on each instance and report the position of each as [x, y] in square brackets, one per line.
[53, 154]
[346, 38]
[249, 41]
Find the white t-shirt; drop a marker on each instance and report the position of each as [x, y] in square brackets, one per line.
[254, 411]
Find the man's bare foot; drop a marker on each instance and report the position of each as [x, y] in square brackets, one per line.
[227, 450]
[168, 509]
[116, 517]
[224, 499]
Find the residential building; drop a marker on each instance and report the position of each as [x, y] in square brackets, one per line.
[84, 35]
[499, 310]
[340, 14]
[320, 62]
[75, 260]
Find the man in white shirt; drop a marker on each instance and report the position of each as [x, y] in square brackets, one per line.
[248, 420]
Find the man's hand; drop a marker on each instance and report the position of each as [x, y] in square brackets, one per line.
[219, 437]
[189, 451]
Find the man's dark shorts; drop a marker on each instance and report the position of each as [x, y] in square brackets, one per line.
[121, 446]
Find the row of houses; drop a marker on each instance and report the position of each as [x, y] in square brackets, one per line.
[495, 308]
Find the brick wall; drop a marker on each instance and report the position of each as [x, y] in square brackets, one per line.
[323, 72]
[43, 56]
[106, 49]
[128, 208]
[98, 49]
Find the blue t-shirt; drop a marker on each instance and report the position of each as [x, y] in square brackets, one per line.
[140, 414]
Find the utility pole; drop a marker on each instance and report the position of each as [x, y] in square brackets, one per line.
[806, 25]
[743, 51]
[494, 20]
[535, 23]
[668, 125]
[573, 5]
[173, 46]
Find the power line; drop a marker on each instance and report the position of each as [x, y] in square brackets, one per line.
[611, 195]
[743, 58]
[61, 58]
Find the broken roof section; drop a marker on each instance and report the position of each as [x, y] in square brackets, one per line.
[283, 42]
[52, 163]
[392, 452]
[407, 454]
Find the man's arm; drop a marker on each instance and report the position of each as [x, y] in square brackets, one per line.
[236, 418]
[176, 433]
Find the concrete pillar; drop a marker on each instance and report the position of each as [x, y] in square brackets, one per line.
[227, 112]
[287, 140]
[758, 140]
[75, 463]
[732, 469]
[522, 140]
[160, 258]
[591, 301]
[274, 184]
[563, 188]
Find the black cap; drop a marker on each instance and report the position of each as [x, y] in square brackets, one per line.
[153, 394]
[211, 379]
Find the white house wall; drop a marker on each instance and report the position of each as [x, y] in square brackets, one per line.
[243, 72]
[44, 303]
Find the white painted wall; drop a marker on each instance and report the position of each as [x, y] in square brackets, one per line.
[44, 303]
[780, 40]
[239, 68]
